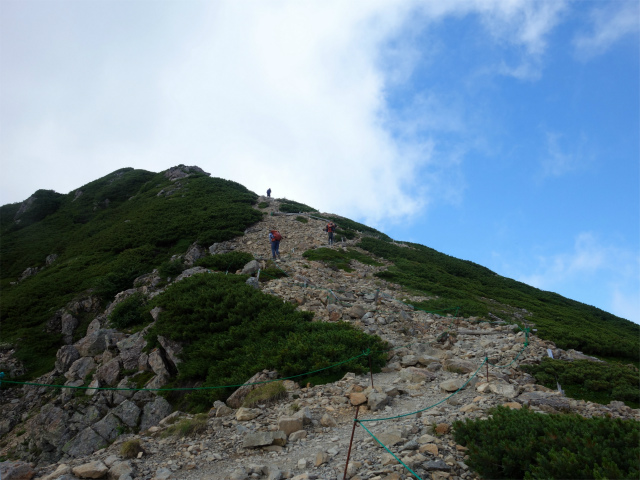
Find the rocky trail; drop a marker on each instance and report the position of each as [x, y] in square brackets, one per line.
[435, 365]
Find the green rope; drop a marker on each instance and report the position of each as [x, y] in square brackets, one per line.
[429, 407]
[384, 446]
[365, 353]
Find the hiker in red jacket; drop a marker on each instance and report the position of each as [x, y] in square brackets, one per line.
[274, 238]
[330, 228]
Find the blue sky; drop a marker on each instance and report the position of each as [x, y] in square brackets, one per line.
[501, 132]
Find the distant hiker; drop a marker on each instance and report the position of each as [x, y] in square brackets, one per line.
[274, 238]
[269, 193]
[330, 228]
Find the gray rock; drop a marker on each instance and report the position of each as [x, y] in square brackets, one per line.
[437, 464]
[95, 469]
[452, 385]
[84, 444]
[97, 342]
[107, 428]
[356, 311]
[377, 401]
[109, 373]
[119, 470]
[16, 471]
[69, 324]
[80, 368]
[157, 363]
[65, 357]
[458, 365]
[290, 424]
[172, 349]
[164, 474]
[130, 349]
[253, 282]
[263, 439]
[194, 253]
[154, 412]
[250, 268]
[128, 412]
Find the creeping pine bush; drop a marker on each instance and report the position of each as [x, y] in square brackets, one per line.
[593, 381]
[339, 258]
[130, 312]
[230, 331]
[224, 262]
[524, 444]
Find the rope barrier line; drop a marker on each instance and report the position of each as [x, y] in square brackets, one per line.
[429, 407]
[363, 354]
[359, 422]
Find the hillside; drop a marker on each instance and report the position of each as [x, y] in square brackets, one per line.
[149, 281]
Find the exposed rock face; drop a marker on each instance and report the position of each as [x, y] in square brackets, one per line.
[182, 171]
[195, 253]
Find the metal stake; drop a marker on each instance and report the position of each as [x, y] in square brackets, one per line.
[351, 442]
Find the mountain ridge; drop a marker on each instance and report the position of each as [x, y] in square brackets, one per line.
[341, 285]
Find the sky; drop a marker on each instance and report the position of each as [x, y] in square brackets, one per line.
[504, 132]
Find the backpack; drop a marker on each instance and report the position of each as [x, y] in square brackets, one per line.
[276, 235]
[331, 227]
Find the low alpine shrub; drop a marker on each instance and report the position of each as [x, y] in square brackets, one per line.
[524, 444]
[130, 312]
[587, 380]
[224, 262]
[265, 394]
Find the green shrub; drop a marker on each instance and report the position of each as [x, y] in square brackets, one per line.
[523, 444]
[224, 262]
[263, 205]
[230, 331]
[121, 227]
[171, 268]
[265, 394]
[289, 206]
[338, 257]
[130, 312]
[271, 274]
[131, 448]
[187, 427]
[592, 381]
[479, 291]
[302, 219]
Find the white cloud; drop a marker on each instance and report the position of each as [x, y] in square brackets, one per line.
[610, 22]
[287, 95]
[562, 159]
[616, 270]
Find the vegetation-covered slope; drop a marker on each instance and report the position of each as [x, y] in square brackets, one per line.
[119, 227]
[479, 291]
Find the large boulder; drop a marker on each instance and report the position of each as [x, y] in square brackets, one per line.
[154, 412]
[16, 471]
[128, 412]
[109, 373]
[80, 368]
[264, 439]
[65, 357]
[130, 349]
[172, 349]
[108, 427]
[250, 268]
[87, 442]
[98, 341]
[194, 253]
[458, 365]
[95, 469]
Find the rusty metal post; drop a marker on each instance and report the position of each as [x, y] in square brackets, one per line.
[371, 370]
[487, 361]
[351, 443]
